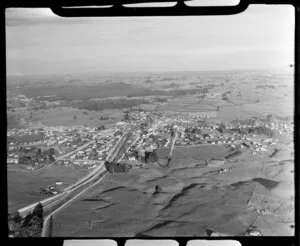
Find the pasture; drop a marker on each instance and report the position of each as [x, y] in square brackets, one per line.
[199, 152]
[73, 117]
[23, 187]
[191, 198]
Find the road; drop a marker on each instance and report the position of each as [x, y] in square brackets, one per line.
[117, 147]
[113, 150]
[52, 214]
[53, 199]
[173, 143]
[136, 139]
[98, 173]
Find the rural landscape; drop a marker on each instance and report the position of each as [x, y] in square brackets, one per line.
[151, 154]
[150, 126]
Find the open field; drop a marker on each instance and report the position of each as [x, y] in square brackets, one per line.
[23, 187]
[191, 198]
[76, 92]
[148, 107]
[28, 138]
[65, 117]
[200, 107]
[200, 152]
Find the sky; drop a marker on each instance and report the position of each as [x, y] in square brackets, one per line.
[39, 42]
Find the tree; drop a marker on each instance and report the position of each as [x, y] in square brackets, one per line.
[74, 117]
[27, 219]
[16, 217]
[14, 223]
[51, 158]
[225, 97]
[269, 117]
[39, 152]
[33, 222]
[100, 128]
[126, 116]
[38, 210]
[51, 151]
[108, 166]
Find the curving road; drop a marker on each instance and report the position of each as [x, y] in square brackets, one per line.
[55, 204]
[72, 192]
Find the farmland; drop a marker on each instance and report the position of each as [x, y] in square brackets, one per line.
[65, 117]
[201, 116]
[202, 152]
[24, 187]
[188, 202]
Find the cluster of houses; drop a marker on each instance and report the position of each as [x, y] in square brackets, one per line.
[156, 131]
[161, 129]
[63, 139]
[281, 128]
[63, 136]
[96, 151]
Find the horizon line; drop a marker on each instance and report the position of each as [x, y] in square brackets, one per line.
[147, 72]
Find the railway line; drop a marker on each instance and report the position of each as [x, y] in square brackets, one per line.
[54, 204]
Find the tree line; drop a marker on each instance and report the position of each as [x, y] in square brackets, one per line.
[105, 104]
[29, 226]
[116, 167]
[37, 156]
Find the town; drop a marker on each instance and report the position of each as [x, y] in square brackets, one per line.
[85, 147]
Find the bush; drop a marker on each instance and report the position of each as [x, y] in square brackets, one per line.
[33, 222]
[113, 167]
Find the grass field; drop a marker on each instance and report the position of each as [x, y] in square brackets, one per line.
[77, 92]
[23, 186]
[200, 107]
[192, 198]
[28, 138]
[148, 107]
[65, 117]
[200, 152]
